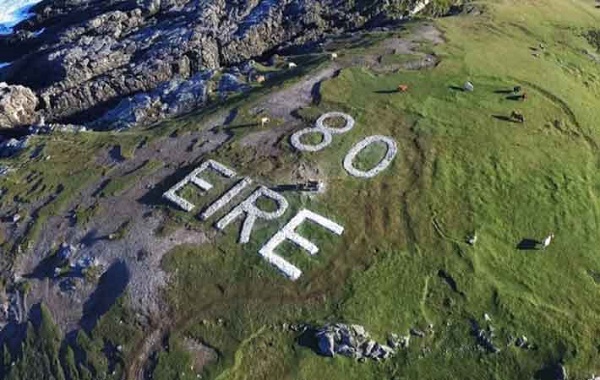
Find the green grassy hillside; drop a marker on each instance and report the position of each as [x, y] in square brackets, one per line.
[460, 169]
[402, 261]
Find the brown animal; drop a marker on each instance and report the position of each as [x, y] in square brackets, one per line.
[523, 96]
[402, 88]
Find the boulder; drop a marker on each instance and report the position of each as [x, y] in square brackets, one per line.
[350, 341]
[11, 147]
[17, 106]
[326, 343]
[230, 83]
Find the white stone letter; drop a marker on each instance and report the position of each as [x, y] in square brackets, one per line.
[225, 198]
[172, 196]
[288, 232]
[324, 130]
[252, 212]
[392, 150]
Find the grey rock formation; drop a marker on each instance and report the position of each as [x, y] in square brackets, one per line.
[169, 99]
[46, 129]
[103, 59]
[351, 341]
[10, 147]
[17, 106]
[230, 83]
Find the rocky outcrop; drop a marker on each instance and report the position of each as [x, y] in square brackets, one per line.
[17, 106]
[90, 59]
[11, 147]
[170, 99]
[350, 340]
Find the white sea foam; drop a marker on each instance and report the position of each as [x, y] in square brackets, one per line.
[13, 12]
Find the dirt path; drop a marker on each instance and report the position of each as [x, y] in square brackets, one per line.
[282, 103]
[148, 346]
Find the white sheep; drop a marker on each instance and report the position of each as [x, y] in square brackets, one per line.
[546, 242]
[264, 121]
[292, 65]
[334, 56]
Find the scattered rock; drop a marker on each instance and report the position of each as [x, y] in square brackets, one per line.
[351, 341]
[66, 252]
[522, 342]
[561, 372]
[4, 170]
[484, 337]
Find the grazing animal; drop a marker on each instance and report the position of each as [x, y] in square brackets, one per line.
[517, 89]
[517, 116]
[264, 121]
[472, 239]
[261, 79]
[402, 88]
[291, 65]
[523, 96]
[546, 242]
[334, 56]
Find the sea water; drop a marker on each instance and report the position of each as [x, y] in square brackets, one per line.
[13, 12]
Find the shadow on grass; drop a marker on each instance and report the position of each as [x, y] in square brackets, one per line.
[456, 88]
[515, 98]
[45, 268]
[231, 116]
[154, 196]
[92, 237]
[503, 118]
[386, 92]
[450, 281]
[315, 93]
[116, 154]
[239, 126]
[287, 187]
[110, 287]
[550, 372]
[505, 92]
[527, 245]
[309, 340]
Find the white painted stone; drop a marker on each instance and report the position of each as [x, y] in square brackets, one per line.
[392, 150]
[419, 7]
[288, 232]
[194, 178]
[225, 198]
[248, 207]
[324, 130]
[296, 143]
[346, 128]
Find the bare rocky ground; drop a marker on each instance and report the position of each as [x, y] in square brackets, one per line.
[140, 250]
